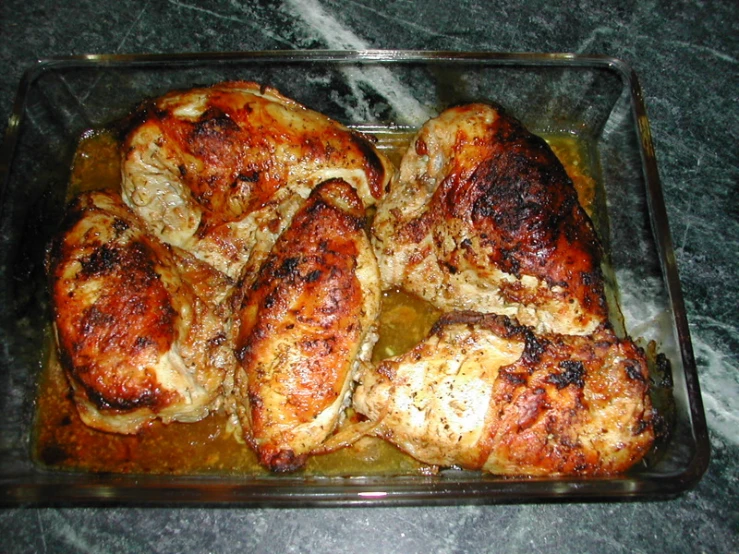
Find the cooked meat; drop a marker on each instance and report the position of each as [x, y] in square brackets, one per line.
[235, 267]
[139, 329]
[220, 171]
[306, 322]
[481, 392]
[482, 216]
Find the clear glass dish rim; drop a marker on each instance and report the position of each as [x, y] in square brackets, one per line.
[47, 487]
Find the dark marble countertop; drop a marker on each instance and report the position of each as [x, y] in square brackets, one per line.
[687, 57]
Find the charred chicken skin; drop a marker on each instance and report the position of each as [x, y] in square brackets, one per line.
[235, 269]
[138, 324]
[483, 217]
[306, 322]
[220, 171]
[482, 392]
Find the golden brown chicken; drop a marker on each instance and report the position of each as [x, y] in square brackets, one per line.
[307, 321]
[482, 216]
[236, 183]
[481, 392]
[220, 171]
[138, 324]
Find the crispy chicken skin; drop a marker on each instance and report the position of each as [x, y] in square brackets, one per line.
[235, 270]
[138, 326]
[306, 322]
[220, 171]
[482, 216]
[481, 392]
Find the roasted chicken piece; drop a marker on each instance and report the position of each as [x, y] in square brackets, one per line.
[307, 321]
[220, 171]
[481, 392]
[138, 323]
[483, 217]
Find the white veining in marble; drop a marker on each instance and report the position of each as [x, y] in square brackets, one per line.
[685, 54]
[643, 316]
[719, 381]
[338, 37]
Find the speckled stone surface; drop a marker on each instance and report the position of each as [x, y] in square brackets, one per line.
[686, 55]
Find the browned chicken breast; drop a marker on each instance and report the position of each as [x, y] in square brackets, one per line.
[138, 326]
[220, 171]
[484, 393]
[482, 216]
[306, 322]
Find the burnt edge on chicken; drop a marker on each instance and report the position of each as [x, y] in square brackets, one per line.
[96, 321]
[519, 200]
[136, 340]
[306, 321]
[565, 405]
[490, 206]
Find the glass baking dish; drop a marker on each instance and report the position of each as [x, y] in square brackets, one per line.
[595, 99]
